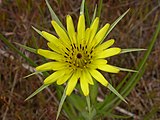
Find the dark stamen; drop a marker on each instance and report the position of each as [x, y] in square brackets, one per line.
[67, 49]
[66, 54]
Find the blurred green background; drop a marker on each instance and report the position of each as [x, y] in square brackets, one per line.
[134, 31]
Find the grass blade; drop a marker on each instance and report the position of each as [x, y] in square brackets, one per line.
[37, 91]
[54, 16]
[94, 14]
[27, 48]
[87, 16]
[99, 8]
[10, 45]
[61, 103]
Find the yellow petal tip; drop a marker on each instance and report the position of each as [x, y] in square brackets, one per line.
[53, 22]
[68, 94]
[86, 93]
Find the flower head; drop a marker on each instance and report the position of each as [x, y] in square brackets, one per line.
[78, 55]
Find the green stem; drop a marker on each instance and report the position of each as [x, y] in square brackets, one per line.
[89, 105]
[100, 4]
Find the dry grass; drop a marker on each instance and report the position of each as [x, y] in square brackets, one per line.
[135, 30]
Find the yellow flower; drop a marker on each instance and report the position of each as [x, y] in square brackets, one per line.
[78, 55]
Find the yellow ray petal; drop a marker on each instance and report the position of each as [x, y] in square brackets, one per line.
[108, 68]
[109, 52]
[56, 48]
[72, 83]
[49, 37]
[61, 33]
[54, 76]
[84, 84]
[87, 36]
[81, 29]
[94, 28]
[105, 45]
[87, 76]
[99, 62]
[45, 67]
[59, 65]
[96, 62]
[54, 41]
[63, 79]
[70, 28]
[49, 54]
[100, 35]
[98, 76]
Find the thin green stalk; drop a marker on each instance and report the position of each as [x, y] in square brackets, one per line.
[99, 8]
[88, 104]
[87, 16]
[90, 114]
[94, 14]
[61, 103]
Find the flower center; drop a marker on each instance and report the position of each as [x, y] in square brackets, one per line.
[79, 55]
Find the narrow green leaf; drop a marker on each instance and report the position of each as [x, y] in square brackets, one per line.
[61, 103]
[82, 7]
[10, 45]
[100, 4]
[38, 31]
[131, 50]
[37, 91]
[111, 88]
[77, 102]
[72, 111]
[88, 104]
[94, 92]
[54, 16]
[27, 48]
[33, 74]
[94, 14]
[88, 116]
[125, 69]
[87, 16]
[68, 112]
[115, 23]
